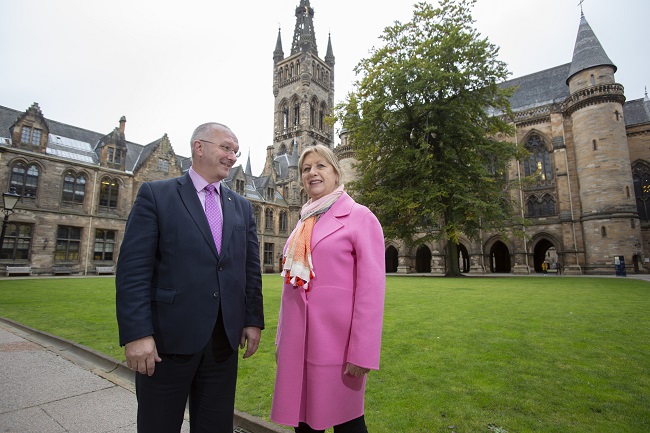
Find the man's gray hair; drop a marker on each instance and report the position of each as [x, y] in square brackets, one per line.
[203, 130]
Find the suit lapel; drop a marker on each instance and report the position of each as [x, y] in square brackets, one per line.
[192, 203]
[228, 212]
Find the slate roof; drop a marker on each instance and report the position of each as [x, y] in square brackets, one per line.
[539, 89]
[637, 111]
[254, 187]
[78, 144]
[281, 165]
[587, 53]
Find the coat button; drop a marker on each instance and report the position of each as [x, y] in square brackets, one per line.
[220, 268]
[215, 294]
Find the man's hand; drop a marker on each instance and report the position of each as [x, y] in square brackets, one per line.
[142, 355]
[250, 334]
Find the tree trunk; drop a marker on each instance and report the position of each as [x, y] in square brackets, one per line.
[453, 268]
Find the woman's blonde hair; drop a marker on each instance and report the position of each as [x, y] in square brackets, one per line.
[323, 152]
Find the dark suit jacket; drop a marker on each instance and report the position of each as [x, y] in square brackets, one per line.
[170, 281]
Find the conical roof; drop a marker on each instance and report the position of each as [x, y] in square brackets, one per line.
[587, 53]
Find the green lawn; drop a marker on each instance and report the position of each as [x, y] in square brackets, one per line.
[514, 354]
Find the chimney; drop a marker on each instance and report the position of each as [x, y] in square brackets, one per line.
[122, 124]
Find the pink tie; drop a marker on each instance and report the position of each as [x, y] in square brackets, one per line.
[213, 213]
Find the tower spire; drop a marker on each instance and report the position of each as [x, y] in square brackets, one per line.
[304, 37]
[248, 171]
[588, 52]
[329, 56]
[278, 54]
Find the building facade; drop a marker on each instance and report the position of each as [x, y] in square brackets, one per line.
[589, 154]
[587, 207]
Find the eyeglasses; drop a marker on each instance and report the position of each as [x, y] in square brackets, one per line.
[226, 149]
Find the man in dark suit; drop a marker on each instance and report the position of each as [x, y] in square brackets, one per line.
[184, 303]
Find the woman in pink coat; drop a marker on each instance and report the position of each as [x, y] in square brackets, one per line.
[331, 313]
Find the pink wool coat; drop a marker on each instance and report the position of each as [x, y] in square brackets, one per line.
[338, 321]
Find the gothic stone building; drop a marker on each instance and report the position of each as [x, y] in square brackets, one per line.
[589, 152]
[78, 187]
[590, 156]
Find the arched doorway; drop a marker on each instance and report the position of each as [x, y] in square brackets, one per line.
[635, 261]
[391, 260]
[499, 258]
[423, 260]
[544, 250]
[463, 258]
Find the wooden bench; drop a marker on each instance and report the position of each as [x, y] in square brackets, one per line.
[58, 270]
[105, 270]
[19, 270]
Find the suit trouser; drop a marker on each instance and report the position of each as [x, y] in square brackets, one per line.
[208, 378]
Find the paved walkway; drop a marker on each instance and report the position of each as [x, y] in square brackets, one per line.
[50, 385]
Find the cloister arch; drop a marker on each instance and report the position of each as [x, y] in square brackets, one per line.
[423, 260]
[391, 259]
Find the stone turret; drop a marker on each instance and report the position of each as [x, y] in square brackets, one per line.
[595, 109]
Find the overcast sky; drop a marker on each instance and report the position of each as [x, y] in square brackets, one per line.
[169, 66]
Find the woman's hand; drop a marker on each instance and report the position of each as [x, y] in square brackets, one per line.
[355, 370]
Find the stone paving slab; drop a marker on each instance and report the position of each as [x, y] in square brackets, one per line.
[51, 385]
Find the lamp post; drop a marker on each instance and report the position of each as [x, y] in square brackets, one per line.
[9, 201]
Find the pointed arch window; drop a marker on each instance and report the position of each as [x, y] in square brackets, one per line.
[257, 211]
[24, 178]
[641, 177]
[74, 187]
[284, 222]
[284, 116]
[321, 116]
[313, 109]
[543, 207]
[108, 193]
[268, 219]
[296, 113]
[539, 162]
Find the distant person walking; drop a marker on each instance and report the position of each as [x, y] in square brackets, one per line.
[545, 267]
[558, 266]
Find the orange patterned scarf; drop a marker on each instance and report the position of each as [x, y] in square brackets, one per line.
[297, 268]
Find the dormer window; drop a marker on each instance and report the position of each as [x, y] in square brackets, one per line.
[31, 135]
[270, 193]
[114, 155]
[239, 186]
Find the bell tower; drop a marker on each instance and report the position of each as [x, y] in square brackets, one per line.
[303, 90]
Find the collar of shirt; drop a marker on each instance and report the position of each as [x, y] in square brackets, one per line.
[200, 183]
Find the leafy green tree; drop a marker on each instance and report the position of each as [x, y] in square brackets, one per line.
[428, 122]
